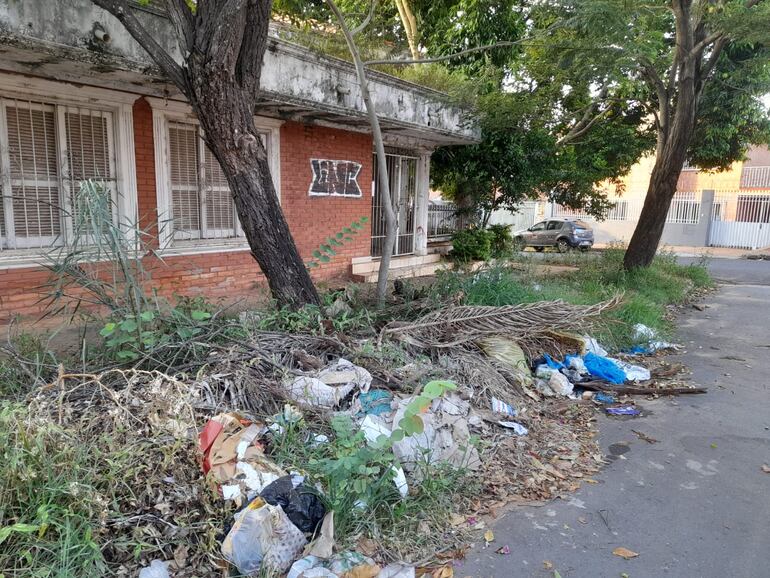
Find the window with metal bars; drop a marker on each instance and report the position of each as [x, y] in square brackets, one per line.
[46, 151]
[201, 206]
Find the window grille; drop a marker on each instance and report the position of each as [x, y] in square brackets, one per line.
[46, 152]
[202, 206]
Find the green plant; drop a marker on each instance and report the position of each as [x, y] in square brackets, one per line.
[325, 251]
[471, 245]
[502, 241]
[101, 264]
[131, 337]
[26, 362]
[50, 506]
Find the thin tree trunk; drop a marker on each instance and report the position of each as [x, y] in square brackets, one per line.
[379, 147]
[410, 26]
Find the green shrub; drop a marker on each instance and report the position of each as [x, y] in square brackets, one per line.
[501, 240]
[471, 245]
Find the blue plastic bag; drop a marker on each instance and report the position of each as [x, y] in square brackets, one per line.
[602, 397]
[604, 368]
[553, 364]
[624, 410]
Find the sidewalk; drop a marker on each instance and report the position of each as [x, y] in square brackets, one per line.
[713, 252]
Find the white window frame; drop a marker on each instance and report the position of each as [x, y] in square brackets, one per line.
[121, 139]
[165, 112]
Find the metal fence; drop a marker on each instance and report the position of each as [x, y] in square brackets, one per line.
[740, 219]
[684, 210]
[443, 220]
[755, 178]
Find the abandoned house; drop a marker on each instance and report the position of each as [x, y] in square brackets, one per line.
[81, 100]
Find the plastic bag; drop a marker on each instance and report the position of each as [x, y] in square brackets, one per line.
[331, 386]
[299, 501]
[560, 384]
[445, 438]
[633, 372]
[156, 569]
[506, 351]
[374, 427]
[604, 368]
[592, 346]
[262, 534]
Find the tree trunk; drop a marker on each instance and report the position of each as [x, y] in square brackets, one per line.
[226, 116]
[379, 146]
[674, 136]
[649, 229]
[223, 43]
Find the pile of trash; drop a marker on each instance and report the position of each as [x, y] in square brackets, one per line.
[520, 380]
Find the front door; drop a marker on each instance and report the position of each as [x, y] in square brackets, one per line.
[402, 173]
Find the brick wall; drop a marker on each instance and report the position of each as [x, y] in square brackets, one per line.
[234, 275]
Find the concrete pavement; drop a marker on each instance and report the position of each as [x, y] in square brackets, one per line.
[696, 504]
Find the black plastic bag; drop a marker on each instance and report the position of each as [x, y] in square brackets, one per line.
[299, 501]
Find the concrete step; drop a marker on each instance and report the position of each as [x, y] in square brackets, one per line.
[367, 265]
[422, 270]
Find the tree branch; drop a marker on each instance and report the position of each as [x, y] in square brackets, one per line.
[576, 132]
[249, 65]
[361, 27]
[404, 62]
[184, 21]
[587, 120]
[662, 94]
[121, 10]
[701, 46]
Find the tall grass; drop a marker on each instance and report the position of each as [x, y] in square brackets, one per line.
[647, 292]
[49, 506]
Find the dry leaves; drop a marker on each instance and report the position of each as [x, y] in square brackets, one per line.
[624, 553]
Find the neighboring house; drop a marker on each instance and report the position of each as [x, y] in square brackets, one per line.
[710, 209]
[80, 99]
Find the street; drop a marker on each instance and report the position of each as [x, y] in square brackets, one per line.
[695, 504]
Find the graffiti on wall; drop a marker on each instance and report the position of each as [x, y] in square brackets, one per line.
[335, 178]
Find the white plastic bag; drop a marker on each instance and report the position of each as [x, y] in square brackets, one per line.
[156, 569]
[633, 372]
[331, 385]
[559, 383]
[262, 534]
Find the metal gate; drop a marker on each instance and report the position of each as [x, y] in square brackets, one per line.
[402, 173]
[740, 221]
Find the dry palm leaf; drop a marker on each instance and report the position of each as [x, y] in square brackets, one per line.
[453, 326]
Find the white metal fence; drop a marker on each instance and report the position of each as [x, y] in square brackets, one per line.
[684, 210]
[740, 219]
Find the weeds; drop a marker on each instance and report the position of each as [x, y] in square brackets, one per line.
[50, 507]
[648, 292]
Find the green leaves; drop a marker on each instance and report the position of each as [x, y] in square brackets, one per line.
[133, 337]
[17, 528]
[326, 250]
[412, 424]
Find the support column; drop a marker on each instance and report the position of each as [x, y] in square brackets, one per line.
[706, 216]
[421, 203]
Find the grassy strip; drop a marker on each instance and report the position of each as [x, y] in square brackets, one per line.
[647, 292]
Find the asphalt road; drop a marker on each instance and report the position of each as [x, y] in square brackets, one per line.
[696, 504]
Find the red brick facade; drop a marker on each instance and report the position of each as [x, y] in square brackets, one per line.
[235, 274]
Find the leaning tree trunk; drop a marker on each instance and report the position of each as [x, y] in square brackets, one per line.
[228, 125]
[649, 229]
[674, 138]
[223, 43]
